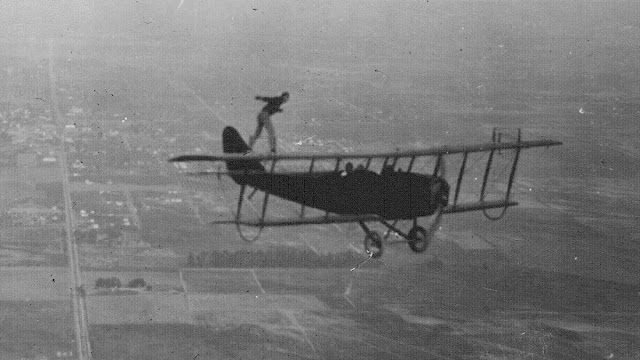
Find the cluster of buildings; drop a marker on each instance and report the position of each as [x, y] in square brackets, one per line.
[31, 214]
[28, 137]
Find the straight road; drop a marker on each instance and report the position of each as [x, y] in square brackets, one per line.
[77, 290]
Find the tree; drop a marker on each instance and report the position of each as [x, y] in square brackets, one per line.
[114, 282]
[137, 283]
[191, 260]
[110, 283]
[200, 259]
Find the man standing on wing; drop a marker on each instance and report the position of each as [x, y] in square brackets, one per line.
[264, 118]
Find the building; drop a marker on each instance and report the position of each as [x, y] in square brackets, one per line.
[29, 213]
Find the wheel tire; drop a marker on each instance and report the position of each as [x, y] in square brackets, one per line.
[373, 244]
[418, 239]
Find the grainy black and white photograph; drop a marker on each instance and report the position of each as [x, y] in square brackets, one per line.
[288, 179]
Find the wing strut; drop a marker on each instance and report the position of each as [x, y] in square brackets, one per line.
[460, 175]
[496, 138]
[266, 194]
[302, 207]
[413, 159]
[486, 175]
[338, 160]
[240, 197]
[439, 168]
[238, 222]
[507, 195]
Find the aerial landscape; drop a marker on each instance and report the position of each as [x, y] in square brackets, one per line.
[108, 251]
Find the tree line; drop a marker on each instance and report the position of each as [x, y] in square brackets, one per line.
[115, 283]
[275, 257]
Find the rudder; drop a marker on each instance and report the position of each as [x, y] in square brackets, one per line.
[232, 143]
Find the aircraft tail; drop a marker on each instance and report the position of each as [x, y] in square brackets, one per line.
[232, 143]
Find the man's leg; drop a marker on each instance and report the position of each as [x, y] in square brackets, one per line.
[271, 131]
[254, 137]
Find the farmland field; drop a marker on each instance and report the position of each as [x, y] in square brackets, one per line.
[96, 97]
[180, 341]
[34, 283]
[220, 281]
[114, 309]
[35, 328]
[329, 313]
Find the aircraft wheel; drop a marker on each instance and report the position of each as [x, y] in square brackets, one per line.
[373, 244]
[418, 239]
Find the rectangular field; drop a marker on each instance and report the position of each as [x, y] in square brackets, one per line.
[36, 329]
[152, 308]
[221, 281]
[34, 283]
[317, 282]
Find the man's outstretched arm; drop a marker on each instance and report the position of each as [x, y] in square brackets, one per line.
[266, 99]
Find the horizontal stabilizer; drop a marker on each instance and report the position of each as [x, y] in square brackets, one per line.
[187, 158]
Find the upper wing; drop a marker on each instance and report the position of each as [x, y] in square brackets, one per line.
[435, 151]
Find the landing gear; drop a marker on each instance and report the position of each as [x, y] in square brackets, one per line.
[372, 242]
[418, 239]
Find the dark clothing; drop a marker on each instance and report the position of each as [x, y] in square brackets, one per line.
[273, 104]
[264, 121]
[264, 118]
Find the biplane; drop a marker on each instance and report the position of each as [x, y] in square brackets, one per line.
[344, 194]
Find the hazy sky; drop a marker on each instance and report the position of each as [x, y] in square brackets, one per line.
[585, 46]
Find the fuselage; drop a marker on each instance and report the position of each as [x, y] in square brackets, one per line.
[391, 195]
